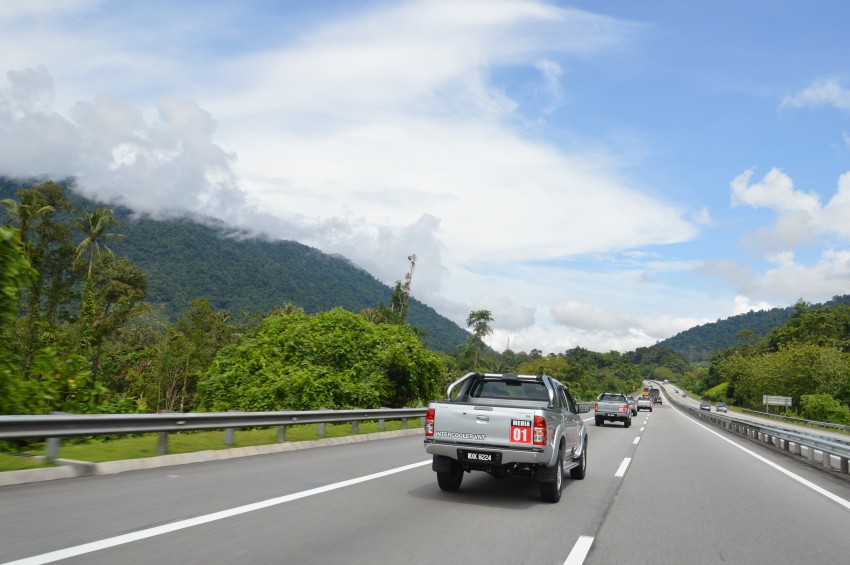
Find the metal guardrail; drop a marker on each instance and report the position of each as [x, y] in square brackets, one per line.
[817, 450]
[56, 426]
[798, 420]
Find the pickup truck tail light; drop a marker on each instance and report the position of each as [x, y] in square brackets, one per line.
[539, 432]
[596, 407]
[429, 423]
[622, 408]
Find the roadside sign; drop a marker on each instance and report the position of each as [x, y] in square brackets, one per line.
[776, 400]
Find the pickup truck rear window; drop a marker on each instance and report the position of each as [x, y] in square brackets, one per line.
[515, 390]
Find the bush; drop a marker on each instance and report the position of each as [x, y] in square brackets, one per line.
[334, 360]
[824, 408]
[717, 393]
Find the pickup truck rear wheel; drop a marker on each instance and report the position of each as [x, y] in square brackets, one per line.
[627, 422]
[551, 492]
[450, 480]
[598, 421]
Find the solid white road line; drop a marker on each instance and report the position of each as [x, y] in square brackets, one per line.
[834, 497]
[623, 466]
[579, 552]
[197, 521]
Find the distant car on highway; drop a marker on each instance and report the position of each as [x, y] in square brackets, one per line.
[644, 403]
[676, 390]
[614, 407]
[720, 407]
[705, 406]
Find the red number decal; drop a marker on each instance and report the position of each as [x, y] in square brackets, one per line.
[520, 434]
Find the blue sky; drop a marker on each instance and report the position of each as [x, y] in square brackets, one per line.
[602, 174]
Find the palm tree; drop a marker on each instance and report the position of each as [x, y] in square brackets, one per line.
[95, 226]
[25, 212]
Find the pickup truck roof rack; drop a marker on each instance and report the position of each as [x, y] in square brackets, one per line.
[545, 379]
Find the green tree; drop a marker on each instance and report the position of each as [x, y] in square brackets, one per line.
[824, 408]
[47, 244]
[190, 349]
[401, 295]
[24, 213]
[15, 274]
[96, 227]
[332, 359]
[479, 321]
[116, 293]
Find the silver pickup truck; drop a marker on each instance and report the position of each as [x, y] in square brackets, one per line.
[506, 424]
[614, 407]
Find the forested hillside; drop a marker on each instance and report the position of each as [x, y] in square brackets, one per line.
[699, 343]
[185, 260]
[153, 328]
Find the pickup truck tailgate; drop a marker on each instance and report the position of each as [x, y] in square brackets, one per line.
[496, 426]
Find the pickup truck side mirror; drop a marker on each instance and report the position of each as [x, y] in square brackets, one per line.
[583, 408]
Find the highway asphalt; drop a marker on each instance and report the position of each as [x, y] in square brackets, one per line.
[670, 489]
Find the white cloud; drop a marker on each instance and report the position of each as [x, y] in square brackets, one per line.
[775, 191]
[802, 222]
[791, 230]
[826, 93]
[801, 216]
[835, 216]
[506, 314]
[702, 217]
[21, 9]
[663, 326]
[385, 131]
[743, 305]
[791, 280]
[552, 73]
[582, 315]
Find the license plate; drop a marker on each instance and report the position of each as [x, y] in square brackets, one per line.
[480, 457]
[614, 415]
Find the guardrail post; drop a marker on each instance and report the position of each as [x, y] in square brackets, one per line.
[355, 427]
[51, 452]
[229, 435]
[52, 449]
[404, 423]
[281, 434]
[382, 424]
[826, 459]
[321, 430]
[843, 465]
[162, 443]
[162, 437]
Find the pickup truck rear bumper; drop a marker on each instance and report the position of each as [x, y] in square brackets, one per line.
[533, 456]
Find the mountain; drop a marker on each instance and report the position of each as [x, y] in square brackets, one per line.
[186, 259]
[700, 342]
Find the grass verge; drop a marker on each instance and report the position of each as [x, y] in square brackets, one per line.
[135, 447]
[9, 462]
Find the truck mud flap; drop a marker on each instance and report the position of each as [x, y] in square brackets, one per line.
[442, 464]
